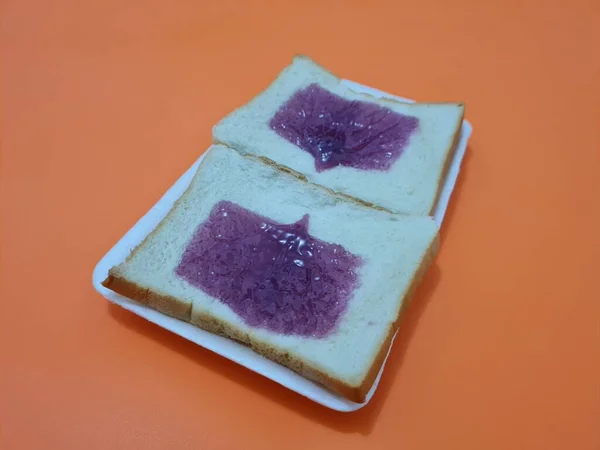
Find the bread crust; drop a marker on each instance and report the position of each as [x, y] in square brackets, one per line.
[449, 157]
[163, 303]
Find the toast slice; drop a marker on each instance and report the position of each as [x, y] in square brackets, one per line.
[384, 152]
[311, 279]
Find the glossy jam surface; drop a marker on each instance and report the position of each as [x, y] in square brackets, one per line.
[336, 131]
[274, 276]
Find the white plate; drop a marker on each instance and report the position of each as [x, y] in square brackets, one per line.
[226, 347]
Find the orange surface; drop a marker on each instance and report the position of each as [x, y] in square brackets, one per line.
[105, 103]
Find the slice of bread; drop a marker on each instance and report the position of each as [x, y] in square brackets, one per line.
[393, 252]
[409, 182]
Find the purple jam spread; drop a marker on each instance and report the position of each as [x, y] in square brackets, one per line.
[272, 275]
[336, 131]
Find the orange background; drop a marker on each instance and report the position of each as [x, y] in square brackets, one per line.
[106, 102]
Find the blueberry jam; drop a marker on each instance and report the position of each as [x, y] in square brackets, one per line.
[336, 131]
[274, 276]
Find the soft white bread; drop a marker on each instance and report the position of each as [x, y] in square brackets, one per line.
[395, 251]
[410, 186]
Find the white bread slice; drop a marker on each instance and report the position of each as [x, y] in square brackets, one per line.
[395, 251]
[410, 186]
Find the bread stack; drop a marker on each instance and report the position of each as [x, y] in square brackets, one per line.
[306, 228]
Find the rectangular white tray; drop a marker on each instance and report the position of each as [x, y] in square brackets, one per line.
[226, 347]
